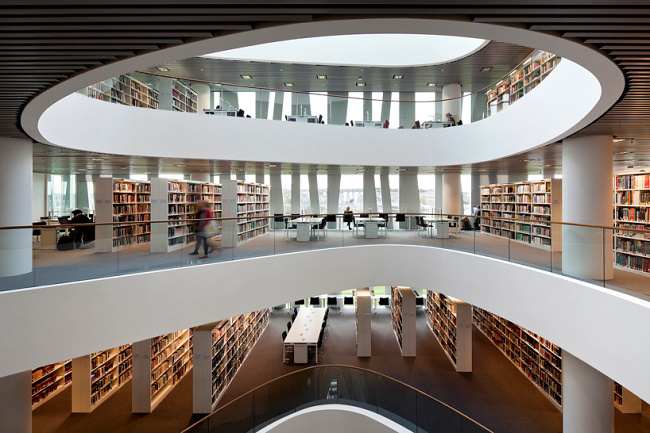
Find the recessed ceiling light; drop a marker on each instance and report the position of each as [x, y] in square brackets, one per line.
[431, 84]
[321, 77]
[485, 69]
[621, 153]
[81, 169]
[98, 159]
[482, 169]
[288, 84]
[525, 160]
[180, 165]
[618, 140]
[398, 77]
[162, 69]
[549, 165]
[361, 84]
[246, 77]
[271, 165]
[402, 169]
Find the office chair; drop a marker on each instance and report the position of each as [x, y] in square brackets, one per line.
[314, 301]
[37, 232]
[284, 335]
[384, 301]
[333, 301]
[293, 317]
[348, 300]
[288, 326]
[422, 225]
[299, 302]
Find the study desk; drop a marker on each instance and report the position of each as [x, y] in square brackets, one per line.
[50, 234]
[371, 227]
[441, 226]
[304, 333]
[302, 119]
[304, 227]
[215, 112]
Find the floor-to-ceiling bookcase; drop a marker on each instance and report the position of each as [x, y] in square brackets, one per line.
[249, 204]
[126, 204]
[49, 380]
[124, 90]
[403, 318]
[363, 319]
[450, 320]
[522, 212]
[632, 211]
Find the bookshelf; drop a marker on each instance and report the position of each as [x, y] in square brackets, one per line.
[363, 322]
[126, 202]
[632, 211]
[220, 348]
[532, 205]
[249, 202]
[521, 80]
[159, 364]
[49, 380]
[124, 90]
[176, 201]
[538, 359]
[625, 401]
[403, 318]
[98, 375]
[450, 320]
[176, 96]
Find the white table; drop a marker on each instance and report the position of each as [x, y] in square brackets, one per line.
[304, 333]
[303, 227]
[441, 226]
[302, 119]
[371, 226]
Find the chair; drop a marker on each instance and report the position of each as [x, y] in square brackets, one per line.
[348, 300]
[422, 225]
[385, 223]
[279, 218]
[400, 218]
[293, 317]
[322, 227]
[37, 232]
[333, 301]
[289, 227]
[299, 302]
[384, 301]
[454, 226]
[364, 215]
[288, 326]
[314, 301]
[331, 218]
[419, 301]
[284, 335]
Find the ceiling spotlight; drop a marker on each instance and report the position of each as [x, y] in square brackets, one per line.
[618, 140]
[271, 165]
[98, 159]
[321, 77]
[288, 84]
[525, 160]
[432, 84]
[361, 84]
[398, 77]
[180, 165]
[162, 69]
[246, 77]
[486, 69]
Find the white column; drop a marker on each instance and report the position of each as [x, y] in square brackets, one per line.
[451, 92]
[259, 174]
[369, 193]
[367, 106]
[386, 203]
[16, 403]
[438, 190]
[475, 190]
[201, 177]
[295, 193]
[203, 96]
[16, 208]
[337, 110]
[587, 170]
[587, 396]
[409, 194]
[451, 193]
[406, 110]
[333, 192]
[277, 106]
[313, 193]
[385, 108]
[262, 104]
[277, 202]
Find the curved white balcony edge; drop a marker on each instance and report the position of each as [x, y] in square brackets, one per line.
[336, 417]
[604, 328]
[569, 99]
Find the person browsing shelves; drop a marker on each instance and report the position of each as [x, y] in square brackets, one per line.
[203, 225]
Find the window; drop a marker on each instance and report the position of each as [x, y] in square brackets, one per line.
[351, 192]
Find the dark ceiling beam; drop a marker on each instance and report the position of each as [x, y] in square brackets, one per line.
[104, 34]
[124, 42]
[185, 28]
[150, 17]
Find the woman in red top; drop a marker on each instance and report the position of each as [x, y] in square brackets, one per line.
[203, 214]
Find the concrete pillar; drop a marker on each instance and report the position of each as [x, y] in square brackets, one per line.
[229, 100]
[517, 177]
[16, 208]
[438, 104]
[386, 203]
[16, 402]
[333, 192]
[385, 108]
[451, 193]
[503, 178]
[277, 106]
[367, 106]
[438, 191]
[262, 104]
[369, 193]
[409, 194]
[203, 96]
[225, 176]
[240, 175]
[406, 110]
[259, 176]
[201, 177]
[451, 101]
[493, 178]
[277, 202]
[587, 396]
[587, 167]
[313, 193]
[337, 109]
[295, 193]
[479, 106]
[475, 190]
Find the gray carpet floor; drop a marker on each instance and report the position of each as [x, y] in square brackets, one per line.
[495, 394]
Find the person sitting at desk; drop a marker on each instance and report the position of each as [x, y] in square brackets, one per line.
[81, 234]
[451, 119]
[348, 217]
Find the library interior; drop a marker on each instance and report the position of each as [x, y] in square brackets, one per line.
[389, 216]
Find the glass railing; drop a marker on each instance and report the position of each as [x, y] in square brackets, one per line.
[295, 105]
[336, 384]
[578, 251]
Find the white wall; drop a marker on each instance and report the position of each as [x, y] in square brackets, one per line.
[560, 309]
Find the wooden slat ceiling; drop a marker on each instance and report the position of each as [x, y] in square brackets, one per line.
[45, 41]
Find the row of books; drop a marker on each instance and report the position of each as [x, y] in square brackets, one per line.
[633, 181]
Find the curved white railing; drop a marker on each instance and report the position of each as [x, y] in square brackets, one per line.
[571, 98]
[602, 327]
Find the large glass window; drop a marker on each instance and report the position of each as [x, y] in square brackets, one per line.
[394, 111]
[466, 115]
[425, 110]
[247, 102]
[351, 193]
[427, 190]
[61, 194]
[466, 187]
[355, 107]
[318, 102]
